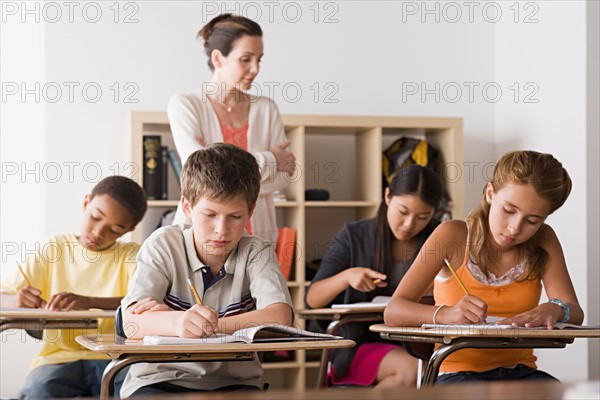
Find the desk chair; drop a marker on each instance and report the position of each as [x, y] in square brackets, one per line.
[119, 331]
[421, 351]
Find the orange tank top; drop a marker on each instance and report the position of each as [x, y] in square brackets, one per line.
[239, 138]
[503, 301]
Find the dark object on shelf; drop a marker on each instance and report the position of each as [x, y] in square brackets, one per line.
[316, 195]
[167, 218]
[311, 269]
[276, 356]
[152, 167]
[164, 165]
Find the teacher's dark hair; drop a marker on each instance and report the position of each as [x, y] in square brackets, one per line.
[223, 31]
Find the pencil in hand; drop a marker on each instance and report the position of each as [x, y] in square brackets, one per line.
[462, 285]
[24, 276]
[194, 291]
[29, 283]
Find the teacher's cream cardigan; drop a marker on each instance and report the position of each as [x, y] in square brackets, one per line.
[192, 116]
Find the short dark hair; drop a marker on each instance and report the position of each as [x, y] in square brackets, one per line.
[220, 171]
[127, 192]
[223, 31]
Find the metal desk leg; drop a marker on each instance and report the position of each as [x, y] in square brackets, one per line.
[332, 329]
[333, 326]
[108, 377]
[446, 349]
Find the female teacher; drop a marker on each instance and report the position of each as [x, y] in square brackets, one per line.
[222, 111]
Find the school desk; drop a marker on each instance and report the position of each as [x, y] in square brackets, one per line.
[547, 390]
[125, 352]
[38, 319]
[452, 339]
[340, 317]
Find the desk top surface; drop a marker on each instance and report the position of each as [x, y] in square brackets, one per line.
[107, 344]
[38, 313]
[336, 312]
[486, 331]
[549, 390]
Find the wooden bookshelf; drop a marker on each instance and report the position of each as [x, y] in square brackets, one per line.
[341, 154]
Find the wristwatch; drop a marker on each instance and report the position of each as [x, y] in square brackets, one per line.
[564, 306]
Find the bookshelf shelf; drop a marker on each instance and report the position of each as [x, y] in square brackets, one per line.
[163, 203]
[340, 154]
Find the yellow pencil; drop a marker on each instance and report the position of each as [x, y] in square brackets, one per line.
[462, 285]
[24, 276]
[376, 281]
[196, 295]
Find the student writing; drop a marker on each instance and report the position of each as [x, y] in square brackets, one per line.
[369, 258]
[79, 272]
[502, 253]
[236, 276]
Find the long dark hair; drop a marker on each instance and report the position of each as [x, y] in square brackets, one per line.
[411, 180]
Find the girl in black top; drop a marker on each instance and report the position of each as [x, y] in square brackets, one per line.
[369, 258]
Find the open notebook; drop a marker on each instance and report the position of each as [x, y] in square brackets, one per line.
[256, 334]
[378, 301]
[490, 324]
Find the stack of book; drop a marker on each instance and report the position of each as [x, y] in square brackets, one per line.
[156, 163]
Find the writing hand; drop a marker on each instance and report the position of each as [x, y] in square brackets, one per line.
[363, 279]
[286, 161]
[198, 321]
[469, 310]
[149, 304]
[29, 297]
[66, 301]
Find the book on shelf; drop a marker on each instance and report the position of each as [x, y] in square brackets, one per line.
[377, 302]
[152, 169]
[175, 163]
[285, 250]
[256, 334]
[164, 173]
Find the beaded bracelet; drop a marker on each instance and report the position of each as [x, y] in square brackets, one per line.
[437, 310]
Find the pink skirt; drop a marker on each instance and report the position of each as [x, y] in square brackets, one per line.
[364, 366]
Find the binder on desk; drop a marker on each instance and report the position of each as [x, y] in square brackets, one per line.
[285, 250]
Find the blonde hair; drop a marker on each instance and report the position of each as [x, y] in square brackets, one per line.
[550, 181]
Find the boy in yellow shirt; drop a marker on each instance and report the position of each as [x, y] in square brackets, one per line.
[70, 272]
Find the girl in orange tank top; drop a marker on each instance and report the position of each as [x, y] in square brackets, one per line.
[502, 254]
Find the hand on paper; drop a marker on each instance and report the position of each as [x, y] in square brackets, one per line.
[469, 310]
[198, 321]
[286, 161]
[66, 301]
[149, 304]
[545, 314]
[29, 297]
[363, 279]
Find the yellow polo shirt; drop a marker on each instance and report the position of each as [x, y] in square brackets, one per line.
[61, 264]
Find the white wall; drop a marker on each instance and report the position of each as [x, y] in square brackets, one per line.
[22, 147]
[593, 171]
[367, 53]
[554, 62]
